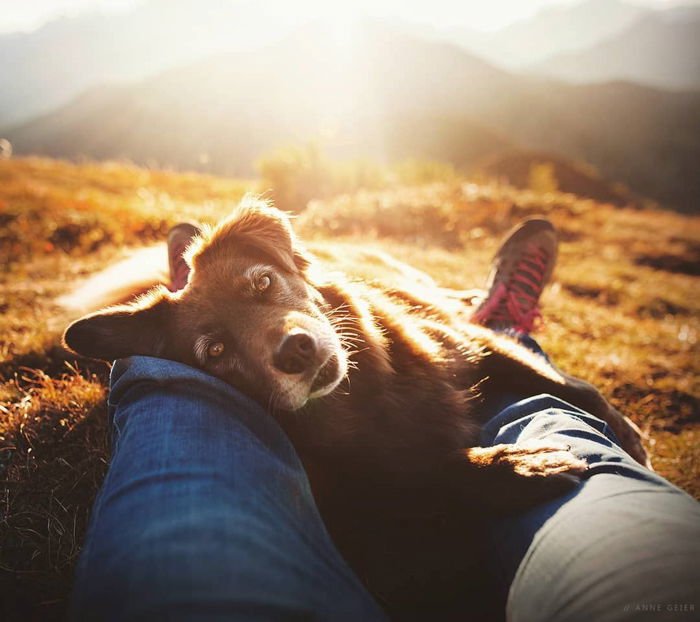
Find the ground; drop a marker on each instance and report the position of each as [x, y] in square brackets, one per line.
[623, 313]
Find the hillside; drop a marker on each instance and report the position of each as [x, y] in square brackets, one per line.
[47, 68]
[554, 30]
[623, 313]
[230, 104]
[51, 66]
[521, 169]
[661, 50]
[221, 114]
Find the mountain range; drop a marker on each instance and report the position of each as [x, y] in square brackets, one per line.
[389, 95]
[660, 49]
[552, 31]
[48, 67]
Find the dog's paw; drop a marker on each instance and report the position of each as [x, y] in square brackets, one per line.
[517, 477]
[533, 458]
[537, 458]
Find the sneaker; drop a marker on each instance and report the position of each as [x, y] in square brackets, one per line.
[179, 238]
[520, 271]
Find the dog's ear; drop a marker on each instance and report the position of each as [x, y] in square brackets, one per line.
[117, 332]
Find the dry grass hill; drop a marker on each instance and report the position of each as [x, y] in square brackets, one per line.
[623, 313]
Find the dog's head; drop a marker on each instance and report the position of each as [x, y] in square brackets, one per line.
[249, 315]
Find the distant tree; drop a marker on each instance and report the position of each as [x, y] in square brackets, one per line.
[295, 174]
[542, 178]
[5, 149]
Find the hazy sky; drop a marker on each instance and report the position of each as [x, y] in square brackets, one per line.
[485, 14]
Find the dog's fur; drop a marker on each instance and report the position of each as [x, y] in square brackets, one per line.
[387, 408]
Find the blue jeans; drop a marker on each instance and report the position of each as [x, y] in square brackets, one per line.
[206, 514]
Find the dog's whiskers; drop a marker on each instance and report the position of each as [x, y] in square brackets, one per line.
[354, 352]
[340, 313]
[339, 308]
[350, 333]
[336, 318]
[350, 338]
[344, 324]
[350, 344]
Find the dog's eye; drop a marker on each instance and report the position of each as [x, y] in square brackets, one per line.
[215, 349]
[263, 282]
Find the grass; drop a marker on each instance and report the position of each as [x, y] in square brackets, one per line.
[623, 313]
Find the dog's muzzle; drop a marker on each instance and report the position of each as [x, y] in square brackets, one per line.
[315, 362]
[297, 354]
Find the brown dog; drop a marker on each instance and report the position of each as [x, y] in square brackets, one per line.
[382, 387]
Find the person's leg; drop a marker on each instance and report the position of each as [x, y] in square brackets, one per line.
[624, 544]
[205, 512]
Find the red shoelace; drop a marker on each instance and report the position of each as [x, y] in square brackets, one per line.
[515, 304]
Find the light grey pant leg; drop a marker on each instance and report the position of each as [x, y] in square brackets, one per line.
[625, 545]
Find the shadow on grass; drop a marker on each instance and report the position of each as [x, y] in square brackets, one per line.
[52, 461]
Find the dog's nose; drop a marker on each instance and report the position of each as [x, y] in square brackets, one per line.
[296, 353]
